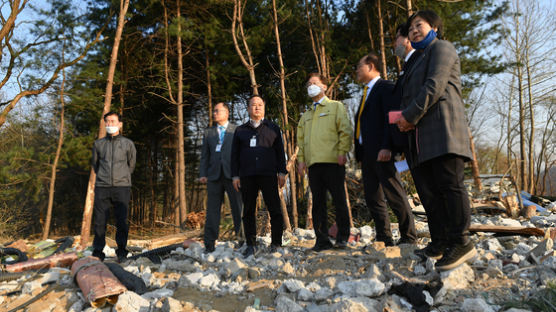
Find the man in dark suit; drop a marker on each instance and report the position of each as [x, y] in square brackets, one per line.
[259, 163]
[216, 172]
[403, 50]
[373, 150]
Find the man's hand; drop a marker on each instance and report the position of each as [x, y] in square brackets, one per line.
[404, 125]
[237, 184]
[342, 160]
[384, 155]
[301, 168]
[203, 180]
[281, 180]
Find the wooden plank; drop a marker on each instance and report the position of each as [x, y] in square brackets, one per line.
[510, 230]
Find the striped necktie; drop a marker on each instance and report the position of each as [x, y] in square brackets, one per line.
[222, 132]
[362, 106]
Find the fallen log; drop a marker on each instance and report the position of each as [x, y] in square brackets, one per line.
[59, 260]
[96, 281]
[507, 230]
[158, 242]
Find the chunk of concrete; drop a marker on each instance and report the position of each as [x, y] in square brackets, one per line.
[131, 302]
[476, 305]
[285, 304]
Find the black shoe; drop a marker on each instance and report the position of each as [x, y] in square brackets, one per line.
[209, 247]
[388, 242]
[99, 254]
[341, 244]
[274, 248]
[321, 247]
[405, 240]
[456, 255]
[122, 258]
[249, 251]
[432, 250]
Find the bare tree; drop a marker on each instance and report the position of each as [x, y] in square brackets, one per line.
[246, 59]
[288, 133]
[89, 200]
[54, 165]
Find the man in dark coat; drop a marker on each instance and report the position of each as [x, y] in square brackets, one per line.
[373, 149]
[216, 172]
[259, 163]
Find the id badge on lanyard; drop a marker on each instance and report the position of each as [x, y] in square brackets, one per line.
[253, 142]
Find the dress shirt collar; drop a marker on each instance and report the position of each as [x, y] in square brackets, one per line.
[408, 55]
[318, 102]
[256, 124]
[371, 84]
[225, 126]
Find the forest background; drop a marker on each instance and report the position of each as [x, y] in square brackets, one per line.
[177, 58]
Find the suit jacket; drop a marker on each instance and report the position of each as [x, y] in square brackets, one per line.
[212, 162]
[431, 100]
[374, 127]
[400, 139]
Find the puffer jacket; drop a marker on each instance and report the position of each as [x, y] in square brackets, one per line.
[113, 161]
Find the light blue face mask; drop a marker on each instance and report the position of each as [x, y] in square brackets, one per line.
[425, 42]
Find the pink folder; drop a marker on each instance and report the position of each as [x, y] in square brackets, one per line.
[393, 116]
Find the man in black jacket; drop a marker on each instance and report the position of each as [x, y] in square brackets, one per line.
[258, 163]
[113, 161]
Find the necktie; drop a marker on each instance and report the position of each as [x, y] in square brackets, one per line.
[222, 132]
[362, 106]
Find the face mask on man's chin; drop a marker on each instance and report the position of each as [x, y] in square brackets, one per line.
[112, 129]
[399, 50]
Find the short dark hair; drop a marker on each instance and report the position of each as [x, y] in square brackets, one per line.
[255, 96]
[225, 105]
[321, 77]
[403, 29]
[110, 114]
[372, 58]
[430, 17]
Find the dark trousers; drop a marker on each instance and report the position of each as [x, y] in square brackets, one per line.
[250, 187]
[105, 198]
[215, 197]
[439, 183]
[331, 177]
[382, 183]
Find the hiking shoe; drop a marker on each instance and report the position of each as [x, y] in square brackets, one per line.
[405, 240]
[456, 255]
[249, 251]
[321, 247]
[274, 248]
[122, 258]
[432, 250]
[341, 244]
[209, 247]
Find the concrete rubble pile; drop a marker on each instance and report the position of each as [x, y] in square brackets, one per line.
[367, 276]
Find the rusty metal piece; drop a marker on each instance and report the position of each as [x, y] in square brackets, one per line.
[60, 260]
[96, 281]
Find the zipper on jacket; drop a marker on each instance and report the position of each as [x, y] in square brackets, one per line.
[112, 163]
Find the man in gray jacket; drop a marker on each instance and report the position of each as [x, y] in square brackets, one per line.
[113, 161]
[216, 172]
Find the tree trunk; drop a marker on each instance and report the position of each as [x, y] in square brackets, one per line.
[89, 200]
[381, 36]
[474, 163]
[288, 142]
[409, 8]
[531, 171]
[56, 158]
[369, 31]
[209, 87]
[181, 139]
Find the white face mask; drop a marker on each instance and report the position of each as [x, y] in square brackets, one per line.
[313, 90]
[112, 129]
[399, 50]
